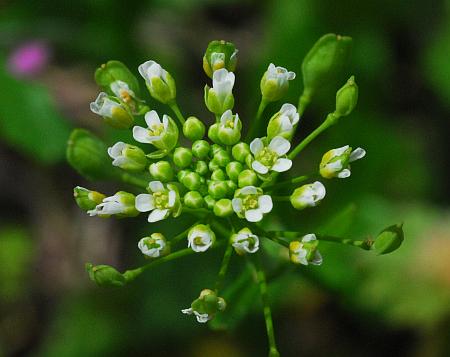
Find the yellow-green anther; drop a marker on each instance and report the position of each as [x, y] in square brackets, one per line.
[193, 129]
[105, 275]
[182, 157]
[193, 199]
[247, 178]
[219, 54]
[162, 171]
[200, 149]
[223, 208]
[346, 98]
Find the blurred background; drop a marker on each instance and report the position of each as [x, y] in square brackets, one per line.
[355, 304]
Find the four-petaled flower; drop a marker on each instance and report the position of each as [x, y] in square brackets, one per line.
[336, 162]
[283, 122]
[200, 238]
[245, 241]
[153, 246]
[250, 203]
[308, 195]
[268, 157]
[162, 201]
[121, 204]
[305, 251]
[127, 157]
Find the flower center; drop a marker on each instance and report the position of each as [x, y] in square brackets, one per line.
[126, 96]
[267, 157]
[161, 200]
[229, 123]
[156, 130]
[250, 202]
[198, 241]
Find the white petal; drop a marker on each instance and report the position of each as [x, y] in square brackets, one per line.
[187, 311]
[282, 165]
[248, 190]
[140, 134]
[357, 154]
[256, 146]
[291, 75]
[157, 215]
[319, 190]
[144, 202]
[317, 258]
[339, 151]
[237, 205]
[116, 150]
[152, 119]
[225, 116]
[259, 168]
[156, 186]
[309, 238]
[143, 69]
[253, 215]
[265, 203]
[165, 121]
[121, 160]
[280, 145]
[344, 173]
[172, 198]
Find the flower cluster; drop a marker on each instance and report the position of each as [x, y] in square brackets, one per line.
[227, 180]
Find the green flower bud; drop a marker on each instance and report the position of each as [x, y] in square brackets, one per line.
[324, 60]
[222, 157]
[200, 149]
[213, 165]
[231, 187]
[219, 98]
[121, 205]
[215, 148]
[218, 175]
[247, 178]
[223, 208]
[193, 199]
[105, 275]
[112, 111]
[240, 151]
[159, 82]
[210, 202]
[219, 54]
[283, 123]
[192, 181]
[275, 83]
[346, 98]
[127, 157]
[87, 154]
[389, 239]
[230, 126]
[87, 199]
[182, 157]
[336, 162]
[201, 167]
[217, 189]
[193, 129]
[181, 174]
[308, 195]
[233, 170]
[213, 133]
[161, 171]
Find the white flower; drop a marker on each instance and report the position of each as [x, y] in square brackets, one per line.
[308, 195]
[155, 130]
[335, 163]
[122, 91]
[245, 241]
[153, 246]
[251, 203]
[280, 74]
[223, 82]
[122, 203]
[127, 157]
[151, 69]
[283, 122]
[161, 201]
[105, 106]
[268, 157]
[305, 251]
[202, 318]
[200, 238]
[229, 128]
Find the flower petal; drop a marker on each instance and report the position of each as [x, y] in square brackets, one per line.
[144, 202]
[344, 173]
[256, 146]
[116, 150]
[156, 186]
[172, 198]
[357, 154]
[237, 205]
[253, 215]
[157, 215]
[140, 134]
[265, 203]
[280, 145]
[259, 168]
[152, 119]
[282, 165]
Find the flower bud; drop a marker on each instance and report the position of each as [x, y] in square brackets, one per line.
[213, 165]
[275, 83]
[193, 129]
[346, 98]
[305, 251]
[222, 157]
[191, 181]
[182, 157]
[159, 82]
[308, 195]
[87, 154]
[206, 306]
[201, 167]
[200, 149]
[127, 157]
[336, 162]
[218, 175]
[233, 170]
[283, 123]
[245, 242]
[87, 199]
[240, 151]
[105, 275]
[114, 113]
[122, 204]
[324, 60]
[223, 208]
[200, 238]
[219, 54]
[193, 199]
[217, 189]
[181, 174]
[210, 202]
[213, 133]
[232, 187]
[219, 98]
[161, 171]
[154, 246]
[389, 239]
[229, 132]
[247, 178]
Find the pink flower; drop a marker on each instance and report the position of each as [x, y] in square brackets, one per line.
[29, 59]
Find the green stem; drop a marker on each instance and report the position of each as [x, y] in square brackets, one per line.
[182, 235]
[176, 109]
[256, 124]
[329, 121]
[281, 198]
[365, 244]
[223, 268]
[262, 283]
[134, 180]
[304, 101]
[270, 235]
[292, 181]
